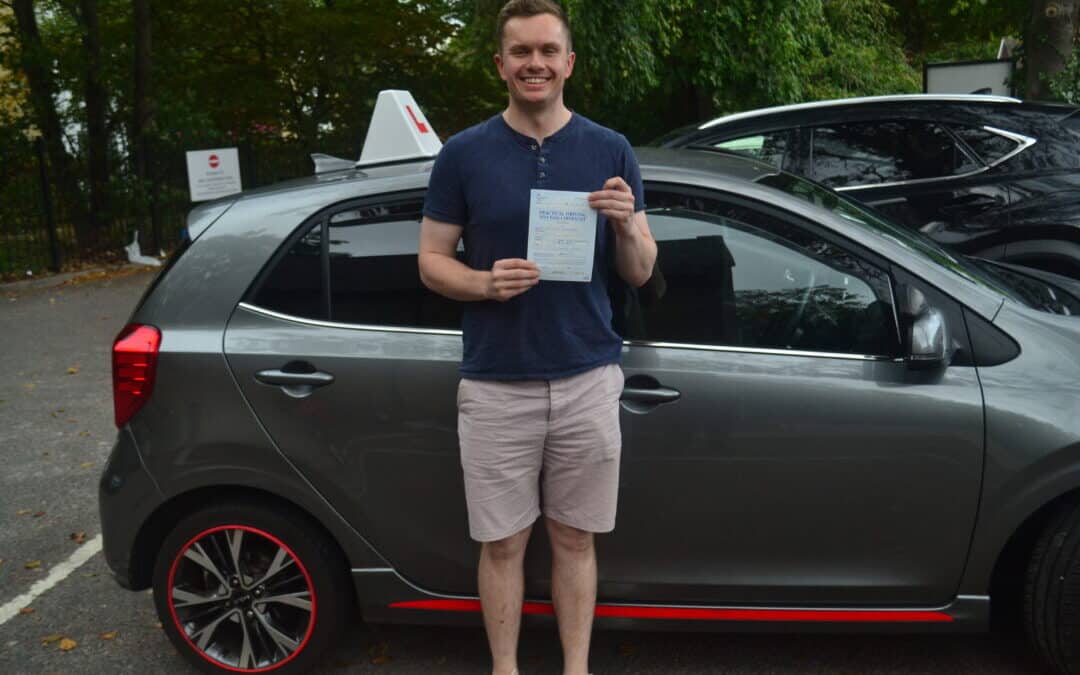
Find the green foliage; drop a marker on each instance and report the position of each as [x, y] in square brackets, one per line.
[1066, 84]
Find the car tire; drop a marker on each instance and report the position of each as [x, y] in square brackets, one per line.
[251, 587]
[1051, 608]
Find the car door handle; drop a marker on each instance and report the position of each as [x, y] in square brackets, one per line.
[281, 377]
[650, 395]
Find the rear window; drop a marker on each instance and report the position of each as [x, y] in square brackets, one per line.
[358, 265]
[990, 147]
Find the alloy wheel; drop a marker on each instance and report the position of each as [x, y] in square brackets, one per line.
[241, 598]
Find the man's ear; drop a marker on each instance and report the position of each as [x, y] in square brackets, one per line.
[499, 65]
[570, 58]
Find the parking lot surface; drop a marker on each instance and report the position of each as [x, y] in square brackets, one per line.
[56, 431]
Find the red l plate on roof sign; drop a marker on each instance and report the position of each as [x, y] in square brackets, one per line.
[214, 161]
[419, 125]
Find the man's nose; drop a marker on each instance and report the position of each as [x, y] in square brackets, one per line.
[535, 59]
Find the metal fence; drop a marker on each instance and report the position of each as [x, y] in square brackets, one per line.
[38, 235]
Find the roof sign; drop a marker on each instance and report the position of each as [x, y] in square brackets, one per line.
[398, 131]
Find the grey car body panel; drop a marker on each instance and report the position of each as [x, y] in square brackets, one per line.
[1032, 431]
[126, 488]
[206, 432]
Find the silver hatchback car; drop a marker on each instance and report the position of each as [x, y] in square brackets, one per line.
[829, 423]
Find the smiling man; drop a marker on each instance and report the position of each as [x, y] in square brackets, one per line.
[538, 403]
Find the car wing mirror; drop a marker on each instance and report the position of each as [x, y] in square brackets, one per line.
[930, 345]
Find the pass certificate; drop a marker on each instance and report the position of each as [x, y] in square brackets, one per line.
[562, 234]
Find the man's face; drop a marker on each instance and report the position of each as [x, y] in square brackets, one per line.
[534, 60]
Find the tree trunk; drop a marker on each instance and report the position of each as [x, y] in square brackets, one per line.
[97, 135]
[142, 127]
[1048, 43]
[36, 63]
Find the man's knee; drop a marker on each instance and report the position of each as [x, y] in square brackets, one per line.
[509, 549]
[567, 539]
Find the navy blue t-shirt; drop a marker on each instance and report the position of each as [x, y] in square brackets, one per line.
[481, 181]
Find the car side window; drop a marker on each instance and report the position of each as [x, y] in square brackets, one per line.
[987, 145]
[295, 285]
[768, 147]
[870, 153]
[730, 275]
[371, 252]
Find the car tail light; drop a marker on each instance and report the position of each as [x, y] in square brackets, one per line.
[134, 361]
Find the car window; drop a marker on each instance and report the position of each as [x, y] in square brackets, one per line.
[990, 147]
[729, 275]
[770, 147]
[870, 153]
[295, 284]
[373, 274]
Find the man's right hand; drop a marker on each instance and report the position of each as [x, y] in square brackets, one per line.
[510, 277]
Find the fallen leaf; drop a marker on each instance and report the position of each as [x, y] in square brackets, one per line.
[73, 370]
[67, 644]
[49, 639]
[86, 465]
[29, 386]
[84, 433]
[158, 624]
[52, 301]
[627, 649]
[26, 610]
[22, 512]
[108, 635]
[78, 537]
[33, 565]
[38, 514]
[378, 653]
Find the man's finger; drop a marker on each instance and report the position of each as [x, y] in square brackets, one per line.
[611, 194]
[514, 263]
[515, 274]
[616, 183]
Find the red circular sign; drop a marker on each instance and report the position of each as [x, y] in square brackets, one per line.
[214, 161]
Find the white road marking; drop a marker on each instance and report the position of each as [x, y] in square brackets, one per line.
[56, 575]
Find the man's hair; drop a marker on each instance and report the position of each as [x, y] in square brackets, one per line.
[526, 8]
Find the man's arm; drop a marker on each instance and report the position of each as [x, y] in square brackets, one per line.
[635, 249]
[442, 272]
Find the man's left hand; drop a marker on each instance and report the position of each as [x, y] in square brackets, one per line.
[616, 201]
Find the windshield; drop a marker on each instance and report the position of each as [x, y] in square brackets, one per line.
[912, 240]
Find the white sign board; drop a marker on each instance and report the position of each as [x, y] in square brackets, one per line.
[984, 77]
[213, 173]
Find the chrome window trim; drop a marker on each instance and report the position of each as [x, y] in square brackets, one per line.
[372, 570]
[626, 343]
[1022, 143]
[912, 181]
[749, 114]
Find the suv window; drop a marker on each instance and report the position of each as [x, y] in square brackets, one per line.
[373, 275]
[730, 275]
[870, 153]
[987, 145]
[769, 147]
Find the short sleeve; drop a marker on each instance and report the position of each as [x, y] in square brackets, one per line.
[631, 173]
[445, 200]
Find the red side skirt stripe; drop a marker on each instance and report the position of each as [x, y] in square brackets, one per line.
[702, 613]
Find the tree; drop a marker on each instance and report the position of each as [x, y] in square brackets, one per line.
[1048, 44]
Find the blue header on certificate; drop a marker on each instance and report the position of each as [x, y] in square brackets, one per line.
[562, 234]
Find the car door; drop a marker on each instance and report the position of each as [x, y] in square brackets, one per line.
[351, 366]
[917, 174]
[800, 462]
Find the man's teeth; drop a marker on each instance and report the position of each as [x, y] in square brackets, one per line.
[535, 80]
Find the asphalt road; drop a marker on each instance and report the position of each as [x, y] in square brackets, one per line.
[55, 434]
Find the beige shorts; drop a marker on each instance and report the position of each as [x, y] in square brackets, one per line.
[555, 440]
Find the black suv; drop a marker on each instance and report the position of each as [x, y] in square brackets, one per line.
[989, 176]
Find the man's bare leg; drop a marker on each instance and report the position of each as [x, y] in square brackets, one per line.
[573, 590]
[502, 590]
